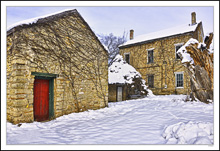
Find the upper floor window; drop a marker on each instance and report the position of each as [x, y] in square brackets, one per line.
[150, 55]
[177, 47]
[127, 57]
[179, 80]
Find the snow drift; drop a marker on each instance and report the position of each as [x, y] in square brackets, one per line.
[189, 133]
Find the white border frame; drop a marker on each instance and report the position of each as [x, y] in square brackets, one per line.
[214, 4]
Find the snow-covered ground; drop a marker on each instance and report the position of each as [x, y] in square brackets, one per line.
[152, 120]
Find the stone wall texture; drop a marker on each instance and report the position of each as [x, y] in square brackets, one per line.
[165, 64]
[65, 46]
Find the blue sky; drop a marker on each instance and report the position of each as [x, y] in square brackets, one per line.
[116, 20]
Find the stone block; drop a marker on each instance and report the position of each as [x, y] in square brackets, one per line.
[18, 85]
[19, 66]
[19, 61]
[18, 96]
[18, 103]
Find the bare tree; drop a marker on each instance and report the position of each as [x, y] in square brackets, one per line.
[112, 43]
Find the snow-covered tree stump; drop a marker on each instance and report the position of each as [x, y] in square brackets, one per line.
[198, 58]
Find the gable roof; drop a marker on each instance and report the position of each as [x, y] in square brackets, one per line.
[50, 17]
[186, 28]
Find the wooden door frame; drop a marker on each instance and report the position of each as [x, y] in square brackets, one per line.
[50, 77]
[117, 92]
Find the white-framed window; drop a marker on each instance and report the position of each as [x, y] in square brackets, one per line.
[179, 79]
[150, 55]
[177, 47]
[127, 57]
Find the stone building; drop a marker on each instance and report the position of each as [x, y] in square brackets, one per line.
[154, 57]
[55, 65]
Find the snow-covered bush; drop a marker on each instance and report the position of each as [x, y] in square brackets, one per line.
[189, 133]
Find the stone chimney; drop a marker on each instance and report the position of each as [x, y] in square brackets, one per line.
[193, 15]
[131, 34]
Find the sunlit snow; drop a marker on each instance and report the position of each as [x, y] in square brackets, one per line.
[152, 120]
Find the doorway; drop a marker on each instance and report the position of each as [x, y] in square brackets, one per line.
[41, 100]
[43, 96]
[119, 94]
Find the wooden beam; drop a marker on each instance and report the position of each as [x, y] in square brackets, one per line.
[49, 75]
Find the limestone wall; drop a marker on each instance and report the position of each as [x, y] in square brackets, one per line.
[57, 47]
[198, 34]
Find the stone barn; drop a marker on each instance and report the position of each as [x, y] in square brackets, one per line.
[124, 81]
[55, 66]
[155, 57]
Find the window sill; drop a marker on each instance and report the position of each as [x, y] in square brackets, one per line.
[180, 87]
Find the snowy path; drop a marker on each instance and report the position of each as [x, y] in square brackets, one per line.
[141, 121]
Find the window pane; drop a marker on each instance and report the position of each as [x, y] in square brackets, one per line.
[127, 58]
[179, 80]
[150, 56]
[151, 81]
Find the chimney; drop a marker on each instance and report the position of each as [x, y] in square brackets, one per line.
[131, 34]
[193, 15]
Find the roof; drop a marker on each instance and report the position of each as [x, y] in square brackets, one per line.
[186, 28]
[50, 17]
[40, 19]
[36, 19]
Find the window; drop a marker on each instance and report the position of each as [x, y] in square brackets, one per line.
[177, 47]
[127, 58]
[179, 80]
[151, 81]
[150, 56]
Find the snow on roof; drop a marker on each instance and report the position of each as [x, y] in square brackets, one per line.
[162, 33]
[34, 20]
[121, 72]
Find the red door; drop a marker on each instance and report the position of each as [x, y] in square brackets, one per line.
[41, 100]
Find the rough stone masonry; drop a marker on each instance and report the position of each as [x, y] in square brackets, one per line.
[63, 49]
